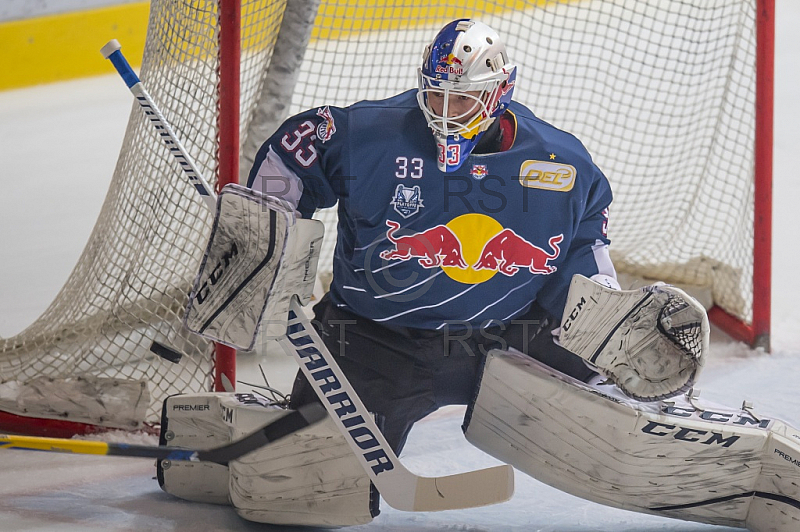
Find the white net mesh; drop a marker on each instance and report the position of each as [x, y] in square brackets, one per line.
[660, 91]
[130, 286]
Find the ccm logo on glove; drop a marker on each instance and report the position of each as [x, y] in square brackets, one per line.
[216, 274]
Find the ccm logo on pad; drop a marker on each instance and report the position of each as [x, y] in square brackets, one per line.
[547, 175]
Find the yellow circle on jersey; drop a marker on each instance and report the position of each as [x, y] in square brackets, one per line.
[473, 231]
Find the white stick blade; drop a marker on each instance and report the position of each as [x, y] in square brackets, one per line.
[466, 490]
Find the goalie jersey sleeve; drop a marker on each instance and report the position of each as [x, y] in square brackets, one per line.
[588, 254]
[420, 248]
[299, 162]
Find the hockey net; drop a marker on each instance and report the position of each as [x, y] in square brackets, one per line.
[662, 93]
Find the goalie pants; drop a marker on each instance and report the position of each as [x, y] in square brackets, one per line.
[404, 374]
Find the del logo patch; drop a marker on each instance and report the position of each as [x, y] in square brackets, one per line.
[407, 200]
[547, 175]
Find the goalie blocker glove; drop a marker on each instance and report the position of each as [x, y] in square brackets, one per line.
[258, 256]
[651, 342]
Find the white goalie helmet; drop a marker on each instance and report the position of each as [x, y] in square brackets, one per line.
[465, 83]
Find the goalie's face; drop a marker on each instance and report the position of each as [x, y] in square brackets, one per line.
[451, 110]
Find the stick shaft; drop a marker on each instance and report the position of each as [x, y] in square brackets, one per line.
[112, 52]
[399, 487]
[285, 425]
[393, 480]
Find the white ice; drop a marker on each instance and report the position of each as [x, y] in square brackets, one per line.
[58, 147]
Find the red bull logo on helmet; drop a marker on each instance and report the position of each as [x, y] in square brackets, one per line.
[507, 87]
[472, 248]
[450, 64]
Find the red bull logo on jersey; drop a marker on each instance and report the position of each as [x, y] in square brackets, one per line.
[472, 248]
[507, 252]
[434, 247]
[326, 128]
[479, 171]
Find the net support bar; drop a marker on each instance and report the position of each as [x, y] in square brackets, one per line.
[757, 333]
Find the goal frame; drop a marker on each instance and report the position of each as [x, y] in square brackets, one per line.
[757, 334]
[228, 159]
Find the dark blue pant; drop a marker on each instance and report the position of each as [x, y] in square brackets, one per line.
[402, 374]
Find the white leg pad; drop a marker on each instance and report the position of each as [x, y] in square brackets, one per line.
[194, 421]
[680, 458]
[309, 478]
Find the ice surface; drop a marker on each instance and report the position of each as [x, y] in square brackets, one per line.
[58, 147]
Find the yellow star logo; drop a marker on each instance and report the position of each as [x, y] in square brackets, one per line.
[552, 156]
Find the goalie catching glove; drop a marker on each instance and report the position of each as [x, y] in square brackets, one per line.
[650, 342]
[259, 255]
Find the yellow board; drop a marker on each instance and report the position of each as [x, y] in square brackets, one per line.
[67, 46]
[341, 19]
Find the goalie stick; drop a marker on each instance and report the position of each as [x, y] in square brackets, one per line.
[399, 487]
[284, 426]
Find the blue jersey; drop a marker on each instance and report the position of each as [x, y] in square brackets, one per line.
[425, 249]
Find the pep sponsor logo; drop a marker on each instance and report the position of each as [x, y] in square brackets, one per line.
[547, 175]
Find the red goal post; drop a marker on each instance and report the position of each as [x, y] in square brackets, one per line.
[672, 98]
[230, 56]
